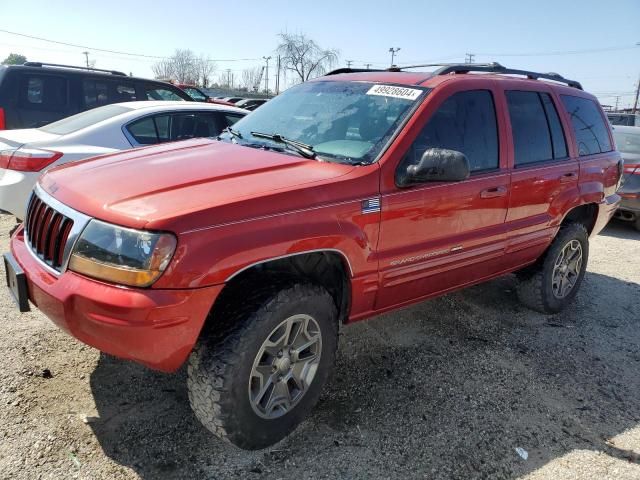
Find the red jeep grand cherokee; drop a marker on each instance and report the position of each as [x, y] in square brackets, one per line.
[347, 196]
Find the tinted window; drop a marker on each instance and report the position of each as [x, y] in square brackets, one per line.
[588, 125]
[558, 141]
[84, 119]
[195, 94]
[95, 93]
[193, 125]
[125, 93]
[160, 93]
[144, 131]
[531, 137]
[465, 122]
[44, 92]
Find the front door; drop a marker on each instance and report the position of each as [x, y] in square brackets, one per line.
[438, 236]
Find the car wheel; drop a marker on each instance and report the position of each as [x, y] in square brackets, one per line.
[254, 385]
[553, 281]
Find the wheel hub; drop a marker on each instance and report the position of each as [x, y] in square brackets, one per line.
[285, 366]
[567, 269]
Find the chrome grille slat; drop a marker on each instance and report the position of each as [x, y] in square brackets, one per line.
[47, 232]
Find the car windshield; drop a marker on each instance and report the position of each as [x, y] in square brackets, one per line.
[343, 121]
[84, 119]
[627, 142]
[195, 93]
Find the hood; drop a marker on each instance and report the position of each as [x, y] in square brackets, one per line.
[148, 186]
[17, 138]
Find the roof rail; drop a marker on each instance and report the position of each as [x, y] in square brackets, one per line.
[353, 70]
[44, 64]
[493, 67]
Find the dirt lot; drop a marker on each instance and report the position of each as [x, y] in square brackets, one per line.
[446, 389]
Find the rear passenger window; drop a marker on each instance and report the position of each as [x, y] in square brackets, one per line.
[43, 92]
[465, 122]
[160, 93]
[536, 128]
[230, 119]
[144, 131]
[95, 93]
[588, 125]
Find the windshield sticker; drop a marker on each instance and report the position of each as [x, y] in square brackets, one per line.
[395, 92]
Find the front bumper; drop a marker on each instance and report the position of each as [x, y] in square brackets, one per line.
[15, 189]
[157, 328]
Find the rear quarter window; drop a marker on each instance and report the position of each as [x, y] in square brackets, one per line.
[588, 123]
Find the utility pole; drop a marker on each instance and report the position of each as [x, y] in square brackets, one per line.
[393, 52]
[278, 77]
[635, 103]
[266, 80]
[469, 57]
[349, 62]
[616, 107]
[86, 55]
[228, 78]
[368, 65]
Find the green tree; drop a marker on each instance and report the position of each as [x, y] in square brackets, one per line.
[14, 59]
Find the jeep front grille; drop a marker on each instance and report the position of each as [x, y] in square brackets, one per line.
[47, 232]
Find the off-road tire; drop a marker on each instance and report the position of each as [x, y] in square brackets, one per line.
[535, 282]
[220, 366]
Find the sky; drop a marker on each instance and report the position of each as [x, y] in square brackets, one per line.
[593, 41]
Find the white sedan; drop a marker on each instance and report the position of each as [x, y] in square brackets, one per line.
[26, 154]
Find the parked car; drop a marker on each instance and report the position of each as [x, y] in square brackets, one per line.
[35, 94]
[233, 100]
[26, 154]
[628, 143]
[624, 119]
[200, 96]
[350, 195]
[251, 103]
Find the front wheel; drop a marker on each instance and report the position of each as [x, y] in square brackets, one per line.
[257, 383]
[550, 284]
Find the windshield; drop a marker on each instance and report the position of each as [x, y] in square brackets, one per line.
[627, 142]
[84, 119]
[195, 93]
[345, 121]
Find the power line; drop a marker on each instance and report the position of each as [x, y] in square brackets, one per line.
[564, 52]
[157, 57]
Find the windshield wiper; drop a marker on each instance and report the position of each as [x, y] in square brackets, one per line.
[302, 148]
[233, 132]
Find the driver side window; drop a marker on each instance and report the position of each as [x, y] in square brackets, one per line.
[465, 122]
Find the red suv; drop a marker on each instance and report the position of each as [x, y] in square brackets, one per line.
[347, 196]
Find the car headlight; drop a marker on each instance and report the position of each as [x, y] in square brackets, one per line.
[122, 255]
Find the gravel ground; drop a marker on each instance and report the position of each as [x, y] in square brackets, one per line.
[445, 389]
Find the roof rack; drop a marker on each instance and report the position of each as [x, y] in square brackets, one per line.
[494, 67]
[44, 64]
[353, 70]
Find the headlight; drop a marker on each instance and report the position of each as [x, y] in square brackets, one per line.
[122, 255]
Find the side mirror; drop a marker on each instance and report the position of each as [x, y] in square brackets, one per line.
[436, 165]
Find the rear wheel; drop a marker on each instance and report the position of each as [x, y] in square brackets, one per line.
[551, 283]
[254, 385]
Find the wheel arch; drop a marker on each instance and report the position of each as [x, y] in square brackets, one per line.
[585, 214]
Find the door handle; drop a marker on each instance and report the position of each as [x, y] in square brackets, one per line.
[493, 192]
[568, 177]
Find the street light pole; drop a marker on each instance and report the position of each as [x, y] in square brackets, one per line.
[393, 52]
[86, 55]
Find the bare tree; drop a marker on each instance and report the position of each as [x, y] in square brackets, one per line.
[181, 67]
[206, 67]
[185, 66]
[251, 78]
[163, 70]
[304, 56]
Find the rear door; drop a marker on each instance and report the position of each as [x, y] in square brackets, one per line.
[544, 178]
[438, 236]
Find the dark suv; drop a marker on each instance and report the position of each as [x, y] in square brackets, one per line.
[34, 94]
